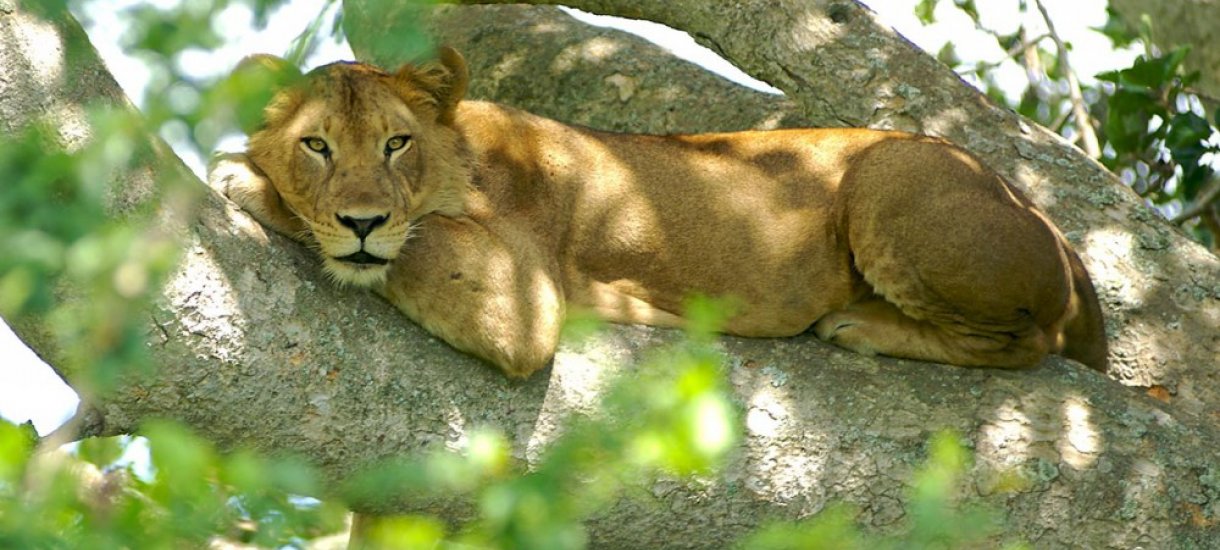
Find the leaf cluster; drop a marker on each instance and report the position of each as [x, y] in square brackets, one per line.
[192, 497]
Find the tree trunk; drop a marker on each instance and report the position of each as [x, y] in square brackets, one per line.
[256, 349]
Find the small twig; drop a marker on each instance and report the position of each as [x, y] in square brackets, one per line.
[1011, 53]
[1212, 221]
[1201, 203]
[1060, 120]
[1084, 124]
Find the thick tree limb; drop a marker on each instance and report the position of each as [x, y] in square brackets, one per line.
[256, 349]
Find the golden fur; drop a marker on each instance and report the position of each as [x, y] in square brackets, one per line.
[881, 242]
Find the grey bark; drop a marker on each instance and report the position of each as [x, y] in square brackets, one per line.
[1183, 23]
[256, 349]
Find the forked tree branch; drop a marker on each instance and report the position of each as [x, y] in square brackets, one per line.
[256, 349]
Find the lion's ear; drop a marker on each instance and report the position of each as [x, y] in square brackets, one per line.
[255, 83]
[445, 80]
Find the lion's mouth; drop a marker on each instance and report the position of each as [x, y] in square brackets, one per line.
[363, 258]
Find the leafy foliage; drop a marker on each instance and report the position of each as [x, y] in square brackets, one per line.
[93, 500]
[195, 495]
[1157, 132]
[396, 35]
[55, 225]
[672, 417]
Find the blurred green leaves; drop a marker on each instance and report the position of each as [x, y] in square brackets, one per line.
[672, 417]
[80, 253]
[76, 253]
[925, 10]
[93, 500]
[192, 110]
[388, 33]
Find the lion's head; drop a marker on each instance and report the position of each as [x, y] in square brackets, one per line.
[360, 154]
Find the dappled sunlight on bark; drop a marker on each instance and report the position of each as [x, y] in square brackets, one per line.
[215, 309]
[789, 473]
[1080, 444]
[43, 49]
[577, 384]
[1004, 440]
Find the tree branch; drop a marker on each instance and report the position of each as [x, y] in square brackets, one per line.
[1207, 197]
[1023, 49]
[1084, 123]
[264, 353]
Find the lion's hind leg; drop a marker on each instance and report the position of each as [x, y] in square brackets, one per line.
[875, 326]
[961, 268]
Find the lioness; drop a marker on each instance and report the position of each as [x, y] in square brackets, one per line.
[484, 224]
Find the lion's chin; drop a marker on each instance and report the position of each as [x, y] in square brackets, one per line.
[356, 274]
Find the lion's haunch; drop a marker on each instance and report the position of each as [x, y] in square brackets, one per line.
[494, 222]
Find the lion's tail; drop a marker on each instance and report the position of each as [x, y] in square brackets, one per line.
[1085, 332]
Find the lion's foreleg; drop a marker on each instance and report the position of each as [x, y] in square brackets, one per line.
[490, 295]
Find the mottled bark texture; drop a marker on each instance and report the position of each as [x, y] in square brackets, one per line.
[256, 349]
[1182, 23]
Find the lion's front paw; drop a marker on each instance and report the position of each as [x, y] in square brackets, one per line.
[228, 172]
[846, 329]
[236, 177]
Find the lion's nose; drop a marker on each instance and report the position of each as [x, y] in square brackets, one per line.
[362, 226]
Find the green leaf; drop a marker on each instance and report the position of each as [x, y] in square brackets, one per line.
[968, 7]
[16, 445]
[924, 10]
[101, 451]
[1010, 41]
[1118, 30]
[831, 529]
[407, 532]
[1109, 76]
[1187, 130]
[250, 87]
[1153, 72]
[1186, 140]
[388, 33]
[1126, 125]
[948, 55]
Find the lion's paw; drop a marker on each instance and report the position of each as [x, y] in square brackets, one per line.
[848, 330]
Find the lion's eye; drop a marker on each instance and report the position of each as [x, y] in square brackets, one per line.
[395, 143]
[316, 144]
